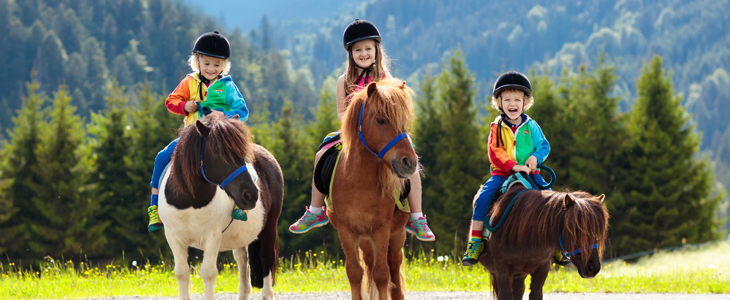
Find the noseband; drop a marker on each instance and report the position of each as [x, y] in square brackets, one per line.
[362, 139]
[228, 180]
[574, 252]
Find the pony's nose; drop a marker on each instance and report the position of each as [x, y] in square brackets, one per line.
[592, 269]
[249, 199]
[408, 164]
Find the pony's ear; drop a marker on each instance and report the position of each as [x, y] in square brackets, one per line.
[403, 85]
[235, 117]
[372, 89]
[601, 197]
[202, 129]
[568, 201]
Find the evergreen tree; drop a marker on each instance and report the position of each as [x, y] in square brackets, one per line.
[112, 145]
[65, 223]
[146, 139]
[426, 135]
[325, 115]
[667, 193]
[461, 161]
[599, 133]
[19, 176]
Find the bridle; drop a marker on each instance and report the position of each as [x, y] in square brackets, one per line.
[574, 252]
[228, 180]
[385, 149]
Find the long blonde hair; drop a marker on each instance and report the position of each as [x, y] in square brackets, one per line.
[380, 67]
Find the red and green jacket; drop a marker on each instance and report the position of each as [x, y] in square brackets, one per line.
[515, 148]
[224, 96]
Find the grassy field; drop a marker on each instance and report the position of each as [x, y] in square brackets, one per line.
[704, 270]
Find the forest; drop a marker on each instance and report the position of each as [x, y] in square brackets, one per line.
[85, 117]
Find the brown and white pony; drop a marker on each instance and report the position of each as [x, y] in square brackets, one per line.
[215, 166]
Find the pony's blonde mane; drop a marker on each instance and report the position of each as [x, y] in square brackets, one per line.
[391, 100]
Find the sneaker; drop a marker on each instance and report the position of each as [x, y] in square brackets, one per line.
[560, 259]
[309, 221]
[239, 214]
[420, 229]
[471, 256]
[155, 223]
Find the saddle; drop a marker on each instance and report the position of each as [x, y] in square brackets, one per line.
[324, 173]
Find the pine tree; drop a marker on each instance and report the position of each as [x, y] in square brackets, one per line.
[112, 182]
[19, 175]
[599, 133]
[65, 223]
[667, 193]
[461, 160]
[146, 140]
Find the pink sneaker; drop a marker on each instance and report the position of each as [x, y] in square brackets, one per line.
[420, 229]
[309, 221]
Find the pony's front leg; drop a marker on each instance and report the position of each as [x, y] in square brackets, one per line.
[182, 270]
[209, 270]
[395, 263]
[518, 287]
[244, 281]
[349, 242]
[537, 280]
[381, 272]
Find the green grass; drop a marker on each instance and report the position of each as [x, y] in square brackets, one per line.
[705, 270]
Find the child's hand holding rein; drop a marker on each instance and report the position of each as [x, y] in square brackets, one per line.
[531, 163]
[191, 106]
[518, 168]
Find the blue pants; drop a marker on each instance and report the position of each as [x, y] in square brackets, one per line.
[486, 195]
[161, 160]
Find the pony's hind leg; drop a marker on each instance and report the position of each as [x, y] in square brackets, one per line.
[244, 282]
[182, 270]
[349, 242]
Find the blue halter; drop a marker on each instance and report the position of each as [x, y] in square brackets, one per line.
[230, 177]
[387, 147]
[574, 252]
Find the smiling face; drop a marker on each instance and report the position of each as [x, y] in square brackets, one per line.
[210, 66]
[512, 102]
[363, 53]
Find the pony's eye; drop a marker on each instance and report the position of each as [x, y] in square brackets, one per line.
[381, 121]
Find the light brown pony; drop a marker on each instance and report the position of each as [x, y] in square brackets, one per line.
[539, 223]
[363, 208]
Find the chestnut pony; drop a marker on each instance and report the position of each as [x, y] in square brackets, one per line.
[377, 157]
[214, 166]
[540, 222]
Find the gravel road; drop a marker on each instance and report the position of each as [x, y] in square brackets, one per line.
[462, 295]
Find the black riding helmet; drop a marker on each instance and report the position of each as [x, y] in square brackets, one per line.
[213, 44]
[360, 30]
[512, 80]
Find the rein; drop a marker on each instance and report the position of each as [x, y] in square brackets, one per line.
[512, 202]
[382, 152]
[225, 183]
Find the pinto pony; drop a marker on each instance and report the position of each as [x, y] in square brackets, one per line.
[215, 166]
[377, 157]
[540, 222]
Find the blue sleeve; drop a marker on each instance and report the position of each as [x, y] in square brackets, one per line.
[539, 142]
[236, 103]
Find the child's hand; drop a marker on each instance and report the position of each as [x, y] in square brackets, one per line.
[191, 106]
[518, 168]
[531, 163]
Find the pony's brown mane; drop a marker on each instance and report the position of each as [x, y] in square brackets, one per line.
[392, 101]
[543, 217]
[228, 140]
